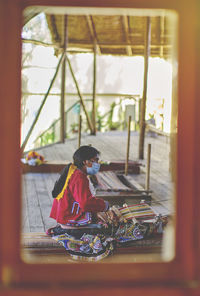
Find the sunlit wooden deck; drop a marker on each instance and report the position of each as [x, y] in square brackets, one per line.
[37, 187]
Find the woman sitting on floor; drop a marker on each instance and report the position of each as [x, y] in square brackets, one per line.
[74, 202]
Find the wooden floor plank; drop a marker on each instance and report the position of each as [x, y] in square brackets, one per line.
[34, 212]
[44, 200]
[25, 219]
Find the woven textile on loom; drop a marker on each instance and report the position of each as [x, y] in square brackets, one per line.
[109, 181]
[139, 211]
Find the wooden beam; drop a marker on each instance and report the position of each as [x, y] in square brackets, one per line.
[144, 98]
[74, 45]
[161, 37]
[54, 28]
[42, 105]
[79, 131]
[62, 97]
[137, 49]
[94, 92]
[82, 47]
[38, 42]
[148, 167]
[135, 97]
[125, 26]
[80, 96]
[128, 146]
[93, 32]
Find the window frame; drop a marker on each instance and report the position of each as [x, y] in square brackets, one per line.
[184, 266]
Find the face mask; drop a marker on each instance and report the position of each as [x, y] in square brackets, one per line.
[94, 169]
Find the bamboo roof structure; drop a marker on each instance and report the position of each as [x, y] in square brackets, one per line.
[112, 34]
[115, 35]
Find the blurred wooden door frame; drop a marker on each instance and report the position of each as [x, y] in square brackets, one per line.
[183, 271]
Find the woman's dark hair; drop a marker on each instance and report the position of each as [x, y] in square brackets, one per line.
[84, 153]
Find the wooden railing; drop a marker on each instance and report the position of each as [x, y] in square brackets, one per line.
[50, 135]
[152, 128]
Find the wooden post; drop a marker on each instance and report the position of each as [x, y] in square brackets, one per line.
[80, 95]
[128, 146]
[144, 98]
[62, 99]
[79, 131]
[148, 167]
[42, 104]
[94, 92]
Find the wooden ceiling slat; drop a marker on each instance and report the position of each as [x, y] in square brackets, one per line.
[126, 34]
[93, 33]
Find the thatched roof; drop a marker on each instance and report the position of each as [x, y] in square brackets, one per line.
[113, 34]
[116, 35]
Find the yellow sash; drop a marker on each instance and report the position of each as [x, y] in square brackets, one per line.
[70, 173]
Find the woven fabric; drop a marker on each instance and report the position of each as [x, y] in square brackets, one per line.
[138, 211]
[88, 247]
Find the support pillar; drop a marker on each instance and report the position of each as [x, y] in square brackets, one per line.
[62, 99]
[94, 92]
[144, 98]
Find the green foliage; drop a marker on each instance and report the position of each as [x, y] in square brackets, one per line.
[47, 138]
[74, 127]
[110, 116]
[106, 120]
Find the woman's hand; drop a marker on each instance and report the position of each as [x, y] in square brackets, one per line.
[108, 217]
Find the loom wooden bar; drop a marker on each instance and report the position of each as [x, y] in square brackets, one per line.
[148, 167]
[128, 146]
[38, 42]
